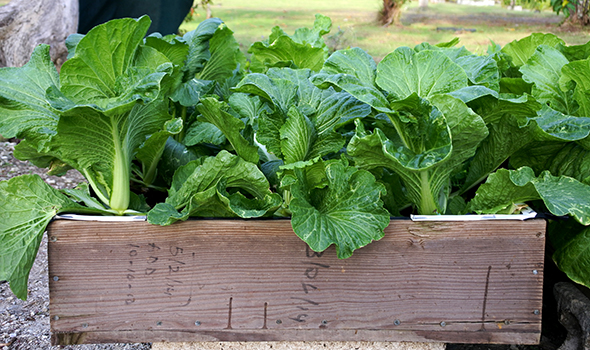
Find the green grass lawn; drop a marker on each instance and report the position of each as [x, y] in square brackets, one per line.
[354, 23]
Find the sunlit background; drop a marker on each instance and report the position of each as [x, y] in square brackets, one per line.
[355, 22]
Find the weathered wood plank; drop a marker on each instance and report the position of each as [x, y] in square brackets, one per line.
[255, 280]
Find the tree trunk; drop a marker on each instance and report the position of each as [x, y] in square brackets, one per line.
[390, 13]
[24, 24]
[208, 7]
[582, 12]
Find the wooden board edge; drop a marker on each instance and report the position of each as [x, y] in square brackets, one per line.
[468, 337]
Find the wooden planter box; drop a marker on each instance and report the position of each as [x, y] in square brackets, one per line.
[238, 280]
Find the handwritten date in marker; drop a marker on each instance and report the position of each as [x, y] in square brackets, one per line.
[162, 268]
[312, 269]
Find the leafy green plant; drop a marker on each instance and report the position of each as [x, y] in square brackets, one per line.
[179, 127]
[304, 49]
[575, 10]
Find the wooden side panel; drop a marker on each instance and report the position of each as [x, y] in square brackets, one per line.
[475, 282]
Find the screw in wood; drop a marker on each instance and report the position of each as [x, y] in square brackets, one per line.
[197, 323]
[56, 318]
[397, 322]
[53, 239]
[535, 272]
[443, 323]
[324, 322]
[55, 278]
[84, 325]
[536, 312]
[279, 321]
[159, 323]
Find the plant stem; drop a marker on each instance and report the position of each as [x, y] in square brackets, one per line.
[120, 193]
[395, 122]
[428, 204]
[149, 174]
[95, 187]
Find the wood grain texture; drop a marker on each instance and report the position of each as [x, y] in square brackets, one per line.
[209, 280]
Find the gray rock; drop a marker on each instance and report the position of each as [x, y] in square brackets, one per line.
[574, 314]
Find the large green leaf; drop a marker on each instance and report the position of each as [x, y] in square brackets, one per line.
[305, 49]
[297, 137]
[150, 152]
[571, 242]
[189, 93]
[102, 146]
[423, 141]
[307, 130]
[433, 142]
[225, 56]
[493, 107]
[203, 132]
[556, 126]
[301, 141]
[579, 71]
[118, 73]
[560, 158]
[176, 50]
[314, 35]
[354, 62]
[425, 73]
[269, 133]
[27, 150]
[481, 70]
[506, 117]
[221, 186]
[27, 205]
[347, 213]
[174, 156]
[505, 138]
[217, 113]
[248, 107]
[521, 50]
[499, 194]
[576, 52]
[308, 95]
[543, 70]
[284, 52]
[337, 109]
[198, 41]
[505, 189]
[281, 93]
[353, 71]
[24, 111]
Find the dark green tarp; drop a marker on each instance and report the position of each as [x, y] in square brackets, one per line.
[166, 15]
